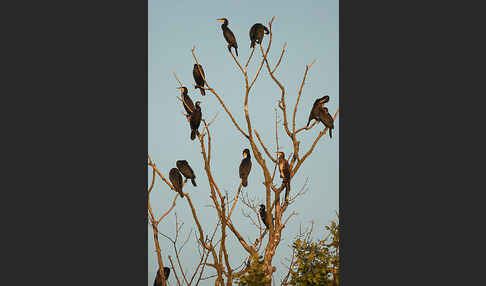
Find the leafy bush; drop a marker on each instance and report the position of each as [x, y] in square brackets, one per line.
[317, 262]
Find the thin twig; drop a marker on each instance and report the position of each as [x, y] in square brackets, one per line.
[265, 148]
[175, 273]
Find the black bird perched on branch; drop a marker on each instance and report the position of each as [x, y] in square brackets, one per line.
[198, 78]
[158, 277]
[186, 101]
[195, 120]
[175, 178]
[284, 169]
[263, 216]
[187, 171]
[228, 35]
[245, 167]
[256, 34]
[326, 119]
[316, 108]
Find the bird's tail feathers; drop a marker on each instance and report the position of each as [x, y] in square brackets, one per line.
[244, 182]
[308, 122]
[287, 190]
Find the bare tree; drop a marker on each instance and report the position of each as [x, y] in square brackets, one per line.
[276, 208]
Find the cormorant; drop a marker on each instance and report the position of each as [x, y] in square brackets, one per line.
[228, 35]
[188, 106]
[198, 78]
[316, 108]
[195, 120]
[175, 178]
[245, 167]
[284, 169]
[158, 277]
[256, 34]
[263, 215]
[187, 171]
[326, 119]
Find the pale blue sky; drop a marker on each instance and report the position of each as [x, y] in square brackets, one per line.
[311, 31]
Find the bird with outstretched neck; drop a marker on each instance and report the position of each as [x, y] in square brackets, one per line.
[228, 35]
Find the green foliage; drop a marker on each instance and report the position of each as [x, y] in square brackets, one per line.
[255, 276]
[317, 262]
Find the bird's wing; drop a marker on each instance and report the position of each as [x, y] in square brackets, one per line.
[188, 104]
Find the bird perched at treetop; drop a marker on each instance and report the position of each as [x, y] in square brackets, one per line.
[316, 108]
[228, 35]
[256, 34]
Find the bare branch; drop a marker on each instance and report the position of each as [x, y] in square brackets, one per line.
[235, 200]
[265, 148]
[306, 128]
[299, 95]
[153, 181]
[291, 265]
[282, 98]
[288, 218]
[180, 84]
[206, 126]
[246, 65]
[169, 210]
[280, 59]
[175, 273]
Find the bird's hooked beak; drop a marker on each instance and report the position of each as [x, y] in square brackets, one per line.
[179, 88]
[244, 155]
[221, 20]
